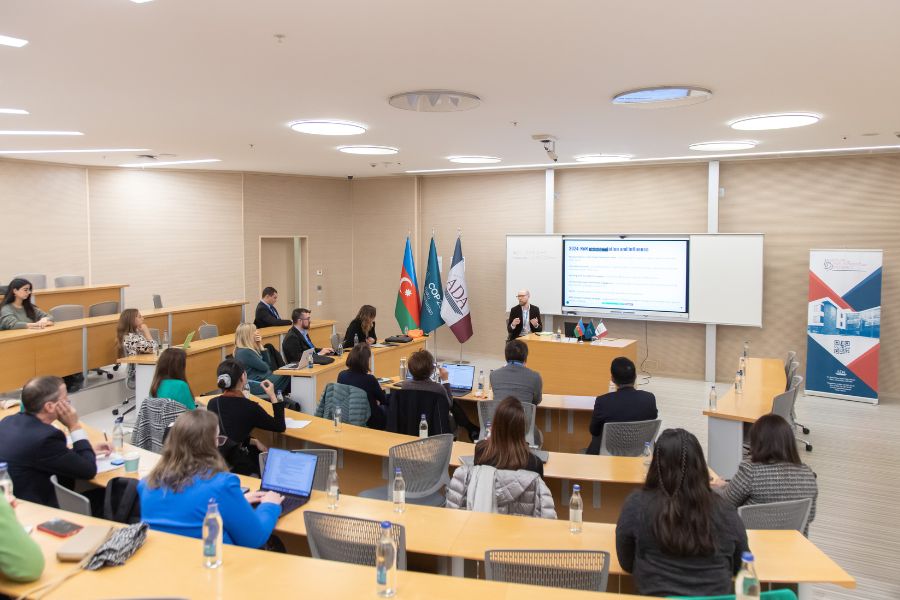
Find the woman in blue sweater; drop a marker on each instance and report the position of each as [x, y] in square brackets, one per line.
[191, 472]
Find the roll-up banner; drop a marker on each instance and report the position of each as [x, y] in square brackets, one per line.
[844, 324]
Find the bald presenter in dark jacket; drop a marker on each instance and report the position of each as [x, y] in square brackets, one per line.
[516, 325]
[625, 404]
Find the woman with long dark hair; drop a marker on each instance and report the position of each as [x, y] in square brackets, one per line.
[357, 374]
[506, 448]
[17, 311]
[132, 334]
[362, 327]
[677, 536]
[169, 380]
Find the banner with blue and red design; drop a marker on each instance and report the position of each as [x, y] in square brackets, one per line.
[844, 324]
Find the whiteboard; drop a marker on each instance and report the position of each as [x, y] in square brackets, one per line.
[534, 262]
[726, 279]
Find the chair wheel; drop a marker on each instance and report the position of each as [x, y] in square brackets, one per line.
[809, 447]
[806, 430]
[109, 376]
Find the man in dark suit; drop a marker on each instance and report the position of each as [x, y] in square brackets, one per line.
[516, 325]
[625, 404]
[296, 340]
[35, 449]
[266, 313]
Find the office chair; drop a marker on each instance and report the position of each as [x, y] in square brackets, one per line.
[207, 331]
[99, 310]
[157, 301]
[38, 280]
[68, 281]
[67, 312]
[572, 569]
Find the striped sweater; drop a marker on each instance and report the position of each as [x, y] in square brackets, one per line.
[760, 483]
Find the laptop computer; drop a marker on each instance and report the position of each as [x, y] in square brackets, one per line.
[291, 474]
[462, 378]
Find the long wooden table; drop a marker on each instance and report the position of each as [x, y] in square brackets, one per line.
[570, 367]
[83, 295]
[764, 380]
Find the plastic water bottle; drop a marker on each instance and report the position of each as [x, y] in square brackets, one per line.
[355, 339]
[386, 563]
[479, 391]
[746, 584]
[576, 506]
[403, 368]
[118, 437]
[310, 363]
[6, 484]
[212, 536]
[558, 334]
[713, 398]
[490, 388]
[746, 349]
[337, 418]
[647, 456]
[165, 340]
[423, 427]
[487, 430]
[739, 383]
[399, 491]
[279, 396]
[332, 488]
[435, 374]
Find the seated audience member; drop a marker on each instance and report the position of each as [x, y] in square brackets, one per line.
[677, 536]
[176, 493]
[357, 374]
[17, 311]
[515, 379]
[362, 328]
[774, 472]
[248, 350]
[133, 335]
[239, 416]
[506, 448]
[169, 380]
[625, 404]
[421, 366]
[34, 449]
[296, 340]
[21, 558]
[266, 313]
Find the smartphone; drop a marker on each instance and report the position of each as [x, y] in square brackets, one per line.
[59, 527]
[244, 489]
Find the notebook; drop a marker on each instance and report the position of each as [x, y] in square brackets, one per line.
[291, 474]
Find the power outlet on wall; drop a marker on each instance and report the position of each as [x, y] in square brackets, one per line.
[320, 272]
[318, 303]
[651, 364]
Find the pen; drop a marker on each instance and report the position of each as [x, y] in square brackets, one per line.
[105, 437]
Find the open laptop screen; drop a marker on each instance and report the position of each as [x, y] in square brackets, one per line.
[289, 472]
[461, 376]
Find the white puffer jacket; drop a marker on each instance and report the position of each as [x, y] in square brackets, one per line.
[516, 492]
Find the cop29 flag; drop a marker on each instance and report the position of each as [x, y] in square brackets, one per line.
[406, 310]
[455, 306]
[432, 293]
[844, 324]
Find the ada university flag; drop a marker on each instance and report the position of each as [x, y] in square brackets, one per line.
[455, 306]
[407, 308]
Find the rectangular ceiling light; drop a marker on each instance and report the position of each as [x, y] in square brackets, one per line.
[6, 40]
[13, 111]
[171, 162]
[85, 151]
[23, 132]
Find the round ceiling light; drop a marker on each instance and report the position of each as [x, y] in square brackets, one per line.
[602, 158]
[327, 127]
[724, 146]
[369, 150]
[664, 96]
[473, 160]
[778, 121]
[434, 101]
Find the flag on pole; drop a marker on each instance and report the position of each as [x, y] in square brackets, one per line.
[407, 308]
[601, 331]
[432, 293]
[589, 331]
[455, 305]
[579, 328]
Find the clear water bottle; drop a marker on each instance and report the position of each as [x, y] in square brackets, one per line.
[310, 362]
[386, 562]
[402, 368]
[739, 383]
[212, 536]
[165, 340]
[399, 495]
[435, 373]
[479, 391]
[423, 427]
[576, 506]
[490, 388]
[337, 418]
[355, 339]
[558, 334]
[713, 398]
[332, 488]
[746, 349]
[487, 430]
[279, 396]
[746, 584]
[118, 437]
[6, 484]
[647, 456]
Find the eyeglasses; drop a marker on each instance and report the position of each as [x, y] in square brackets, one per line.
[221, 439]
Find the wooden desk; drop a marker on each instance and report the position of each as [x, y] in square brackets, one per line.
[568, 367]
[764, 380]
[84, 295]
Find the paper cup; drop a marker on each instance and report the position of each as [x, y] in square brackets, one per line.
[132, 460]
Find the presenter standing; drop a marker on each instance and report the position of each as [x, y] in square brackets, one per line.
[524, 318]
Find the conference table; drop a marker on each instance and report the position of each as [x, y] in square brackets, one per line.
[577, 368]
[82, 295]
[765, 379]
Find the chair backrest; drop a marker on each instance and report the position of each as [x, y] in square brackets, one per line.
[407, 407]
[487, 408]
[69, 500]
[38, 280]
[791, 514]
[792, 370]
[349, 539]
[157, 301]
[68, 281]
[121, 502]
[154, 333]
[627, 438]
[336, 341]
[326, 458]
[103, 308]
[791, 356]
[424, 463]
[153, 419]
[795, 382]
[67, 312]
[3, 290]
[573, 569]
[207, 331]
[783, 405]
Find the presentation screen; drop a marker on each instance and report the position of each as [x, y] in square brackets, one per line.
[633, 275]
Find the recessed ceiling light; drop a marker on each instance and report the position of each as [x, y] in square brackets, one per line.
[85, 151]
[434, 101]
[327, 127]
[141, 1]
[664, 96]
[172, 162]
[371, 150]
[602, 158]
[724, 146]
[779, 121]
[40, 132]
[473, 160]
[13, 111]
[6, 40]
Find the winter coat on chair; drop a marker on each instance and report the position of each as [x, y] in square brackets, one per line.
[514, 492]
[354, 403]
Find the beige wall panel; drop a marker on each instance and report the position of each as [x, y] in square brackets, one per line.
[317, 208]
[47, 231]
[384, 211]
[486, 207]
[800, 204]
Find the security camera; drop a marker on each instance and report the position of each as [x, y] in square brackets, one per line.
[549, 143]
